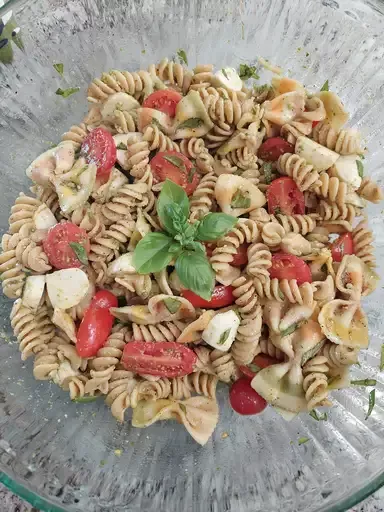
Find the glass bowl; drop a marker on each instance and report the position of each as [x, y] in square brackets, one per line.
[64, 456]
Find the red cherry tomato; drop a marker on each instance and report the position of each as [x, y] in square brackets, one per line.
[222, 296]
[288, 266]
[96, 325]
[165, 100]
[165, 358]
[239, 259]
[99, 148]
[342, 246]
[315, 123]
[284, 197]
[244, 399]
[272, 148]
[176, 167]
[57, 248]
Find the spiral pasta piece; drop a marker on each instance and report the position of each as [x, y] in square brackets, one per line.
[198, 382]
[370, 191]
[136, 84]
[203, 197]
[106, 246]
[301, 224]
[305, 176]
[150, 390]
[202, 77]
[333, 212]
[195, 149]
[12, 275]
[218, 135]
[76, 134]
[88, 217]
[345, 142]
[275, 289]
[33, 330]
[104, 363]
[129, 198]
[267, 347]
[120, 387]
[48, 196]
[223, 365]
[259, 261]
[172, 73]
[338, 356]
[245, 231]
[165, 331]
[332, 189]
[140, 285]
[272, 235]
[76, 386]
[292, 131]
[124, 121]
[362, 243]
[158, 140]
[203, 362]
[137, 154]
[22, 213]
[223, 106]
[243, 158]
[315, 383]
[32, 256]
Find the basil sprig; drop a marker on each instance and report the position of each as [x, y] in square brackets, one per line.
[180, 242]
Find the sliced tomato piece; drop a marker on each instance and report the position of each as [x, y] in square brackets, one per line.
[57, 245]
[222, 296]
[315, 123]
[288, 266]
[284, 197]
[273, 148]
[164, 100]
[96, 325]
[176, 167]
[342, 246]
[165, 358]
[244, 399]
[99, 148]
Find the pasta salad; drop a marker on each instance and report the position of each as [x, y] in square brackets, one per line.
[193, 229]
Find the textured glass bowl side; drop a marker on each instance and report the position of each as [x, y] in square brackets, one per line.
[65, 453]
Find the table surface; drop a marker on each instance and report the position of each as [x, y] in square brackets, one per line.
[9, 502]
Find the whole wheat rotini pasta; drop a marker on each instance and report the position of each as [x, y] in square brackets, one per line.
[203, 229]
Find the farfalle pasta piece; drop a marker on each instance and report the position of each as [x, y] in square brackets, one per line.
[199, 415]
[349, 278]
[345, 323]
[192, 332]
[294, 243]
[236, 196]
[345, 142]
[285, 107]
[324, 291]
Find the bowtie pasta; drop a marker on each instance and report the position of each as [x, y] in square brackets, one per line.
[192, 230]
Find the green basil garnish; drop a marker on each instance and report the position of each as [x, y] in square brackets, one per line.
[81, 253]
[59, 68]
[65, 93]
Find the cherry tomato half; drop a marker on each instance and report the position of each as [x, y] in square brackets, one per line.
[56, 245]
[342, 246]
[222, 296]
[165, 358]
[244, 399]
[96, 325]
[284, 197]
[239, 259]
[165, 100]
[99, 148]
[176, 167]
[288, 266]
[273, 148]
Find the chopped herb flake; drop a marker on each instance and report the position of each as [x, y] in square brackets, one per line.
[191, 174]
[267, 167]
[360, 168]
[318, 417]
[121, 145]
[193, 122]
[182, 56]
[176, 161]
[103, 463]
[59, 68]
[364, 382]
[224, 73]
[303, 440]
[372, 399]
[224, 337]
[240, 201]
[254, 368]
[382, 358]
[246, 72]
[325, 86]
[292, 328]
[85, 399]
[183, 408]
[65, 93]
[173, 305]
[81, 253]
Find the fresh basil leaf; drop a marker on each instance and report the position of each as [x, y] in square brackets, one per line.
[372, 400]
[318, 417]
[183, 408]
[171, 194]
[85, 399]
[214, 226]
[176, 161]
[302, 440]
[121, 145]
[80, 252]
[224, 73]
[325, 86]
[360, 168]
[292, 328]
[182, 56]
[364, 382]
[152, 253]
[195, 246]
[246, 72]
[175, 248]
[267, 167]
[240, 201]
[195, 273]
[382, 358]
[254, 368]
[59, 68]
[156, 123]
[191, 174]
[67, 92]
[175, 223]
[173, 305]
[193, 122]
[223, 338]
